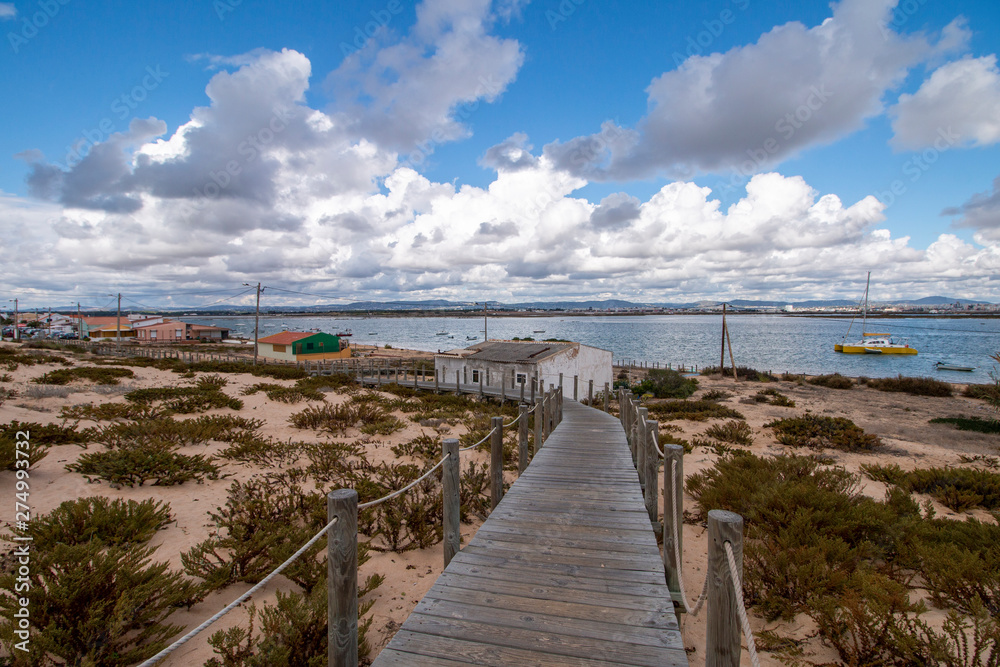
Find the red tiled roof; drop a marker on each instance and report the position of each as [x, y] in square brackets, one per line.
[285, 337]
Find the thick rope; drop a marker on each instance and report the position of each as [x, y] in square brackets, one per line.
[238, 601]
[485, 438]
[406, 488]
[740, 608]
[656, 444]
[692, 609]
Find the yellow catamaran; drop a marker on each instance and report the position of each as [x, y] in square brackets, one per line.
[872, 343]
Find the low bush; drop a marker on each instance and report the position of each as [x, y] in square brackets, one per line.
[185, 400]
[716, 395]
[691, 410]
[958, 489]
[736, 432]
[666, 383]
[773, 397]
[251, 448]
[94, 595]
[331, 461]
[818, 432]
[742, 372]
[976, 424]
[283, 394]
[172, 433]
[264, 521]
[116, 522]
[137, 465]
[911, 385]
[986, 392]
[40, 438]
[109, 411]
[95, 374]
[835, 381]
[424, 447]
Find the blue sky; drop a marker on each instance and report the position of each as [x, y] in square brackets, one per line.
[514, 149]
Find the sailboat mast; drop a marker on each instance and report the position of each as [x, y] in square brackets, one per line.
[864, 318]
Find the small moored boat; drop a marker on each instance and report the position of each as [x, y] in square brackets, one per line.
[941, 366]
[872, 343]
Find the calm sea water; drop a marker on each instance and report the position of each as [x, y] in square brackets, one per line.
[766, 342]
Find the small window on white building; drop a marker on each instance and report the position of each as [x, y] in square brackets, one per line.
[522, 378]
[475, 376]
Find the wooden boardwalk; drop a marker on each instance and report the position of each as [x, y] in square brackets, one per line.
[565, 571]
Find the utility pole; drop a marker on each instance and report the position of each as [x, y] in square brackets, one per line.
[486, 332]
[722, 354]
[256, 322]
[118, 324]
[79, 322]
[17, 318]
[49, 324]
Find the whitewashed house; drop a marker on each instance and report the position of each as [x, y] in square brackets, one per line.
[530, 363]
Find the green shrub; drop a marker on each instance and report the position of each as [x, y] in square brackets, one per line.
[40, 439]
[264, 521]
[96, 605]
[691, 410]
[116, 523]
[137, 465]
[251, 448]
[960, 563]
[773, 397]
[958, 488]
[666, 383]
[277, 392]
[977, 424]
[424, 447]
[172, 433]
[330, 461]
[716, 395]
[96, 374]
[109, 411]
[818, 432]
[337, 419]
[736, 432]
[385, 425]
[742, 372]
[185, 399]
[835, 381]
[911, 385]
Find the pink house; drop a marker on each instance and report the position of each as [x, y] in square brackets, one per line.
[173, 331]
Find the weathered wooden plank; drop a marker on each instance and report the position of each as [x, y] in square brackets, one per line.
[566, 570]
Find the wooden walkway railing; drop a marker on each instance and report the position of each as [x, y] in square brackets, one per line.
[566, 570]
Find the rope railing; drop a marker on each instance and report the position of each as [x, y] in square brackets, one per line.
[399, 492]
[694, 608]
[741, 609]
[238, 601]
[485, 438]
[450, 485]
[643, 438]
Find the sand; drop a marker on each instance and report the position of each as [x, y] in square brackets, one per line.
[901, 420]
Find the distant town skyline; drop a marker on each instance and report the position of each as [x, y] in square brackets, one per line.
[516, 150]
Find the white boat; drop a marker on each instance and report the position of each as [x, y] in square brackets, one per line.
[441, 333]
[941, 366]
[872, 343]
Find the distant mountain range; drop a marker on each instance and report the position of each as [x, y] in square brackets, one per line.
[596, 305]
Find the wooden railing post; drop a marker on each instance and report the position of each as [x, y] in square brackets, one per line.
[480, 384]
[522, 438]
[534, 381]
[496, 463]
[542, 413]
[458, 382]
[576, 387]
[723, 633]
[607, 397]
[342, 578]
[538, 419]
[590, 392]
[560, 380]
[450, 500]
[641, 449]
[652, 468]
[673, 484]
[437, 382]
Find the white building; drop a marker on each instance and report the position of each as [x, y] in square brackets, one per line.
[527, 362]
